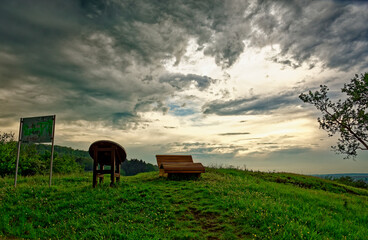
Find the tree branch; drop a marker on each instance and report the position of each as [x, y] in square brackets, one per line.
[349, 129]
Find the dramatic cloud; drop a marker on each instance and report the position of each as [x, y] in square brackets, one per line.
[312, 31]
[110, 55]
[175, 65]
[94, 60]
[252, 105]
[180, 81]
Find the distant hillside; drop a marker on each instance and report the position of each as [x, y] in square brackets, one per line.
[355, 176]
[222, 204]
[129, 167]
[79, 156]
[359, 180]
[35, 159]
[63, 150]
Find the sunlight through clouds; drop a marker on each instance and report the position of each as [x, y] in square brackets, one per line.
[219, 80]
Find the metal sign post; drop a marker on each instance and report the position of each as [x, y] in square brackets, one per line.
[52, 148]
[19, 142]
[36, 130]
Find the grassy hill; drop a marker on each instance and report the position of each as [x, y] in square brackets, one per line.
[222, 204]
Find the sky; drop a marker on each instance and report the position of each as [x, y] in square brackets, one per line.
[216, 79]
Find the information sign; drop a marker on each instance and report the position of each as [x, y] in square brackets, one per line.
[37, 129]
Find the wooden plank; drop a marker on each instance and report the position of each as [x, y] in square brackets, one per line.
[173, 158]
[162, 172]
[113, 163]
[103, 171]
[102, 174]
[175, 163]
[95, 165]
[105, 149]
[182, 167]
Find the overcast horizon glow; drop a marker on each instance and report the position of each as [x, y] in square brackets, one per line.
[216, 79]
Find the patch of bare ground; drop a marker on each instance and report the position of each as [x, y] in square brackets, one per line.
[207, 221]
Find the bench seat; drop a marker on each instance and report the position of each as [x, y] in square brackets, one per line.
[178, 164]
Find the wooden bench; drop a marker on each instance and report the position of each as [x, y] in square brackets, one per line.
[106, 153]
[182, 164]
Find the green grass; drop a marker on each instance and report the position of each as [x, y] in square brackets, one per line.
[222, 204]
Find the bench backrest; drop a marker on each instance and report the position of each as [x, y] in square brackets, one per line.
[173, 159]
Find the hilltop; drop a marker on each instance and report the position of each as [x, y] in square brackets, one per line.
[222, 204]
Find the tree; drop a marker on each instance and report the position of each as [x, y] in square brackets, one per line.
[348, 117]
[8, 153]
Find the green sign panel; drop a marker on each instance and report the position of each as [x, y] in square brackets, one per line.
[38, 129]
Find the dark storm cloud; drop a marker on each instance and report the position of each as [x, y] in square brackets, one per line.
[103, 60]
[251, 105]
[93, 60]
[180, 81]
[332, 32]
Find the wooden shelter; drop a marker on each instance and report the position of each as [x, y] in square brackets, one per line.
[182, 164]
[107, 153]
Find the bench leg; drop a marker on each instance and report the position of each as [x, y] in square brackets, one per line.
[112, 177]
[101, 177]
[94, 181]
[118, 171]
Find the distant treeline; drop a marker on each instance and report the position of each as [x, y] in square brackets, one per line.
[134, 166]
[347, 180]
[35, 159]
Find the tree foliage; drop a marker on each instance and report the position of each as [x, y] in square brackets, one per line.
[348, 117]
[134, 166]
[33, 159]
[347, 180]
[8, 148]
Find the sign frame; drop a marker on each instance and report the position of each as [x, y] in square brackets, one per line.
[33, 138]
